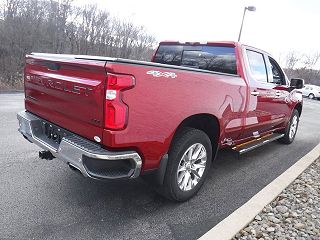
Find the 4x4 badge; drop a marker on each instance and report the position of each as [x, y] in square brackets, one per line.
[162, 74]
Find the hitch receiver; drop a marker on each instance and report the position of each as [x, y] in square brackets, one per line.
[46, 155]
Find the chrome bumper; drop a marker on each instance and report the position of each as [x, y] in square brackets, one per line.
[86, 156]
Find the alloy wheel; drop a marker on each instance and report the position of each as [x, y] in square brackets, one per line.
[191, 167]
[293, 126]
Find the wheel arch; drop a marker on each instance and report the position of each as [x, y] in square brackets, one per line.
[205, 122]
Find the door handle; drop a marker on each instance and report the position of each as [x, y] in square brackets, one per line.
[278, 93]
[255, 93]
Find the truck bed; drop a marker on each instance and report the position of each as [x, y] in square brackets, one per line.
[69, 90]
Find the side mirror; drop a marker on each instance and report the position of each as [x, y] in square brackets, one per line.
[297, 83]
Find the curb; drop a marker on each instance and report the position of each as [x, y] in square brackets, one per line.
[241, 217]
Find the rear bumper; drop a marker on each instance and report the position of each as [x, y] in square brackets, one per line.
[86, 156]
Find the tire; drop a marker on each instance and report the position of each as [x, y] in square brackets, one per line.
[311, 96]
[191, 172]
[291, 129]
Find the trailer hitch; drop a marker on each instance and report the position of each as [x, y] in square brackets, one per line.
[46, 155]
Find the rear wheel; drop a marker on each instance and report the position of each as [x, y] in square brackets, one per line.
[291, 129]
[188, 164]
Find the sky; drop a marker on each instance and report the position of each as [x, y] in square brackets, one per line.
[277, 26]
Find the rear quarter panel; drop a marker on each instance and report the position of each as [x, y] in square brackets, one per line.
[157, 105]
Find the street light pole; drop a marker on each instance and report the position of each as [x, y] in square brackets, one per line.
[250, 8]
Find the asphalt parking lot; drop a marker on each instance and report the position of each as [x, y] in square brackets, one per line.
[45, 200]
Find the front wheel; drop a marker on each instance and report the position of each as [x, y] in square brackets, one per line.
[188, 164]
[311, 96]
[291, 129]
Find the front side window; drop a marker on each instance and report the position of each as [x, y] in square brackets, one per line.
[277, 76]
[257, 66]
[212, 58]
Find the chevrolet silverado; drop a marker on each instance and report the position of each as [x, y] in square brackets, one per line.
[164, 120]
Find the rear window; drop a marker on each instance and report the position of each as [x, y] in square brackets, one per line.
[211, 58]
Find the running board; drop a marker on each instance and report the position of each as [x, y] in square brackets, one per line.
[255, 143]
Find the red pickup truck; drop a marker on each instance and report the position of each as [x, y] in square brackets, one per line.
[165, 120]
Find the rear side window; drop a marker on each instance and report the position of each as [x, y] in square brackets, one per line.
[257, 66]
[211, 58]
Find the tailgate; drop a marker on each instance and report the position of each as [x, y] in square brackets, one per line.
[67, 91]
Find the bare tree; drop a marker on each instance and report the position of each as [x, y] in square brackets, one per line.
[311, 60]
[292, 59]
[303, 66]
[57, 26]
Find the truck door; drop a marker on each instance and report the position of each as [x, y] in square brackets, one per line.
[261, 115]
[281, 110]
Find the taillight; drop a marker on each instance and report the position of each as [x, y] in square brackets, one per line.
[116, 111]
